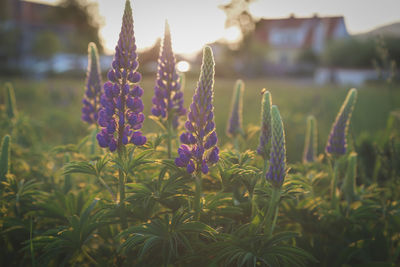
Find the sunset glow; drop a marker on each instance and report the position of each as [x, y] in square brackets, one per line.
[183, 66]
[196, 23]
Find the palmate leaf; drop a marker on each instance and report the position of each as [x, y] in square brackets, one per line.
[73, 148]
[170, 193]
[218, 209]
[130, 163]
[91, 168]
[172, 235]
[154, 140]
[159, 122]
[60, 206]
[21, 195]
[170, 164]
[244, 249]
[295, 186]
[237, 173]
[65, 148]
[70, 244]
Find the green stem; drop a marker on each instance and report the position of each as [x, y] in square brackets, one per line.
[122, 192]
[169, 138]
[107, 187]
[334, 174]
[197, 196]
[272, 212]
[31, 244]
[275, 218]
[253, 205]
[236, 144]
[264, 173]
[94, 142]
[67, 177]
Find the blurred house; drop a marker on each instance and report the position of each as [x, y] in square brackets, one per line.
[33, 32]
[289, 39]
[38, 38]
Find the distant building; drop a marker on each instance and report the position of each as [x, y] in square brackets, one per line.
[40, 38]
[288, 38]
[26, 21]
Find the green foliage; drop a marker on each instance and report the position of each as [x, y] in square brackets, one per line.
[362, 53]
[45, 45]
[71, 244]
[82, 15]
[242, 249]
[384, 65]
[44, 216]
[59, 206]
[308, 56]
[169, 235]
[350, 53]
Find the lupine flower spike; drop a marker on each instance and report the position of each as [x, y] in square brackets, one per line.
[265, 131]
[5, 157]
[168, 97]
[235, 121]
[311, 142]
[11, 107]
[277, 168]
[91, 99]
[337, 144]
[277, 162]
[199, 148]
[121, 114]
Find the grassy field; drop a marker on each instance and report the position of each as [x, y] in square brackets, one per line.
[75, 205]
[53, 105]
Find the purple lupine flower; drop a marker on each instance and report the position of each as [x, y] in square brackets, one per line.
[263, 148]
[277, 161]
[337, 144]
[235, 121]
[168, 97]
[311, 142]
[91, 99]
[199, 147]
[121, 114]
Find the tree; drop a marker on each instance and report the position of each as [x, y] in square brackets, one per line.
[237, 14]
[46, 44]
[85, 19]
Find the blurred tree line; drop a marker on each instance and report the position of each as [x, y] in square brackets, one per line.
[85, 19]
[360, 53]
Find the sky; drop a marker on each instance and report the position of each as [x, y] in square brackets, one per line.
[195, 23]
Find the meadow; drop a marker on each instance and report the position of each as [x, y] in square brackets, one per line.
[162, 170]
[49, 132]
[54, 108]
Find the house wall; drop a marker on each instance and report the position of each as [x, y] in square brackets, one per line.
[290, 37]
[318, 43]
[282, 56]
